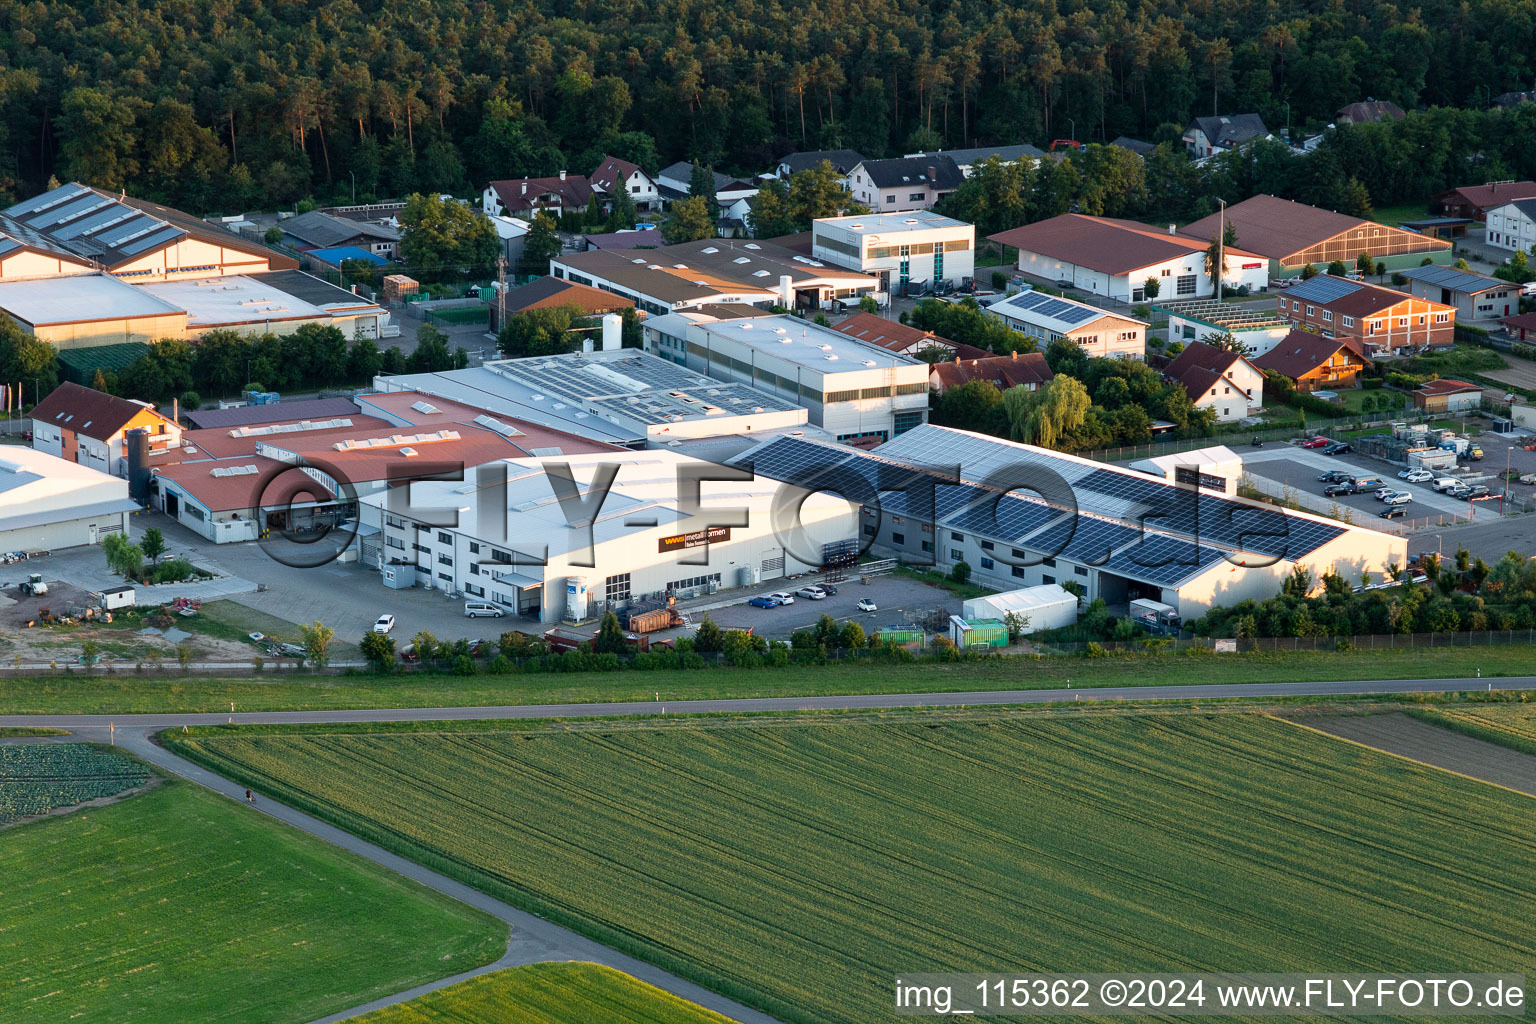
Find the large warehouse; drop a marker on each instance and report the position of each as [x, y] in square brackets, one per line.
[520, 550]
[1118, 533]
[49, 503]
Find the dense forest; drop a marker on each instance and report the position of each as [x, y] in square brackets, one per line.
[229, 104]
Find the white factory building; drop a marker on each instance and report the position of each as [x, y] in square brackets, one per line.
[913, 249]
[50, 503]
[858, 392]
[1118, 533]
[515, 546]
[618, 396]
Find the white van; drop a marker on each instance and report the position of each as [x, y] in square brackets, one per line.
[481, 609]
[1445, 483]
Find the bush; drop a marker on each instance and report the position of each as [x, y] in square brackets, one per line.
[999, 280]
[961, 572]
[463, 665]
[501, 665]
[1093, 650]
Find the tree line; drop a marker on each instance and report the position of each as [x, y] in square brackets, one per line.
[255, 104]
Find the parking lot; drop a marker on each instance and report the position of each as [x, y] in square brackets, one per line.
[898, 600]
[1298, 469]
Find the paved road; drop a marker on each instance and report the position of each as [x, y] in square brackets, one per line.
[532, 939]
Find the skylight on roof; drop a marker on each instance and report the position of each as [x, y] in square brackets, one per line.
[710, 249]
[741, 259]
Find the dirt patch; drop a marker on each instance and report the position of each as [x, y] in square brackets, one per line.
[1410, 738]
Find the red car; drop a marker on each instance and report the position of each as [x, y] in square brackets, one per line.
[1316, 442]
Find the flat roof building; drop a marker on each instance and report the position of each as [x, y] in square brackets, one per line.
[49, 503]
[625, 397]
[856, 391]
[714, 271]
[642, 545]
[84, 310]
[906, 251]
[274, 303]
[1254, 325]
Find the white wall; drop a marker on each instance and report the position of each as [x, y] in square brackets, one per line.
[1510, 229]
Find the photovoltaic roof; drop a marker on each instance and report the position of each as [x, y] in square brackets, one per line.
[1323, 289]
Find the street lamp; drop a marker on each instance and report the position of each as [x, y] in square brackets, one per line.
[1507, 453]
[1074, 128]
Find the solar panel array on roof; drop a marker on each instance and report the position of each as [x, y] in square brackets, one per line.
[1450, 277]
[82, 222]
[1162, 561]
[1008, 518]
[1324, 289]
[1046, 305]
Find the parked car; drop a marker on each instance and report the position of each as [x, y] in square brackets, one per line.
[1333, 476]
[764, 601]
[1341, 488]
[1458, 492]
[1316, 442]
[1384, 490]
[784, 596]
[482, 609]
[828, 589]
[1446, 483]
[1394, 512]
[1064, 283]
[1338, 448]
[1398, 498]
[1417, 476]
[1476, 491]
[813, 592]
[384, 623]
[866, 605]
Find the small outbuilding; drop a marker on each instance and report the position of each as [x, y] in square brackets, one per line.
[1049, 606]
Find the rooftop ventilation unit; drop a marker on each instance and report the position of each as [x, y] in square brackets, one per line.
[425, 407]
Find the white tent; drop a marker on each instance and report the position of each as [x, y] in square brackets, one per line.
[1046, 607]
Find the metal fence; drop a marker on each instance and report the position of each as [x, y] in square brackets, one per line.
[1328, 428]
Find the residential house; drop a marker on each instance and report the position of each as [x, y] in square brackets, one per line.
[81, 425]
[1115, 258]
[902, 339]
[732, 195]
[1291, 235]
[1475, 297]
[1315, 362]
[969, 159]
[1447, 396]
[1475, 202]
[1099, 333]
[1381, 321]
[77, 230]
[1367, 111]
[552, 293]
[904, 183]
[1206, 136]
[907, 251]
[512, 233]
[524, 197]
[614, 176]
[1512, 225]
[1508, 100]
[1217, 379]
[1141, 149]
[842, 161]
[1522, 326]
[1027, 370]
[316, 230]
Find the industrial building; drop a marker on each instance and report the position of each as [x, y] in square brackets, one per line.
[1474, 296]
[87, 310]
[1291, 235]
[49, 503]
[619, 396]
[1117, 533]
[1116, 258]
[1256, 329]
[712, 271]
[514, 544]
[75, 229]
[908, 252]
[1047, 318]
[858, 392]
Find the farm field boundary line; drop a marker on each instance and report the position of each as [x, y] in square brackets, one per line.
[162, 720]
[531, 939]
[1435, 746]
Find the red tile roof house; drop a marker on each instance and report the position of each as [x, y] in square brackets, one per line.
[568, 193]
[1315, 362]
[898, 337]
[1217, 379]
[1448, 396]
[1475, 201]
[83, 425]
[1027, 370]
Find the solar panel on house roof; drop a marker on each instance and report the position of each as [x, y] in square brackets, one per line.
[1324, 289]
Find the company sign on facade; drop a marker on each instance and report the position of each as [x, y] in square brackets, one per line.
[696, 539]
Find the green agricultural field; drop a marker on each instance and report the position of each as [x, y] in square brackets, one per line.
[1508, 724]
[37, 777]
[800, 865]
[551, 993]
[182, 906]
[123, 693]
